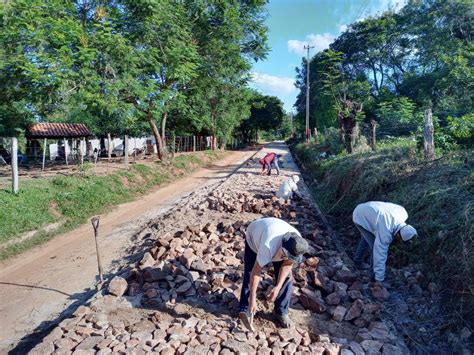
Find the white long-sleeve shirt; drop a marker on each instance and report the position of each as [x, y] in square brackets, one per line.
[384, 220]
[287, 189]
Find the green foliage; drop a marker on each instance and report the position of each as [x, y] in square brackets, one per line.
[396, 65]
[398, 117]
[127, 66]
[462, 128]
[266, 114]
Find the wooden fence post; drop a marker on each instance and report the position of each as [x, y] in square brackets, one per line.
[194, 143]
[14, 165]
[374, 134]
[109, 146]
[316, 138]
[173, 143]
[81, 151]
[428, 135]
[65, 150]
[44, 154]
[125, 151]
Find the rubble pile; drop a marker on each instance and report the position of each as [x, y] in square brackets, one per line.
[181, 297]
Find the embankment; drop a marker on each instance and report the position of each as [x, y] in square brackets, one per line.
[437, 195]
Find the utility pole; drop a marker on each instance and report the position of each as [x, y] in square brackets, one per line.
[307, 131]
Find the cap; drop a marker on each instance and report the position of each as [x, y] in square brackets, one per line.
[407, 232]
[295, 246]
[295, 178]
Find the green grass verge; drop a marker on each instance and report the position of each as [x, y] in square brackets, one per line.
[72, 199]
[439, 198]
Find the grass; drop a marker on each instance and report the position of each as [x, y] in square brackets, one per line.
[72, 199]
[439, 198]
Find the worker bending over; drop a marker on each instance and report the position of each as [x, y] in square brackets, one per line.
[267, 161]
[379, 223]
[270, 240]
[289, 188]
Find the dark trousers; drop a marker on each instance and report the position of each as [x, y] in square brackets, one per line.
[282, 302]
[366, 242]
[269, 167]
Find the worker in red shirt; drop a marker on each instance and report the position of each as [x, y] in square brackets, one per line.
[267, 161]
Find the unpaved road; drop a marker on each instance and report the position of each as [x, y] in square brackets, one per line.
[46, 284]
[182, 294]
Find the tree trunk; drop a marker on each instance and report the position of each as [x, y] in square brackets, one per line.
[348, 122]
[156, 134]
[164, 116]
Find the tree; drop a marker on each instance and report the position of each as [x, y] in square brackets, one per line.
[266, 113]
[166, 60]
[229, 36]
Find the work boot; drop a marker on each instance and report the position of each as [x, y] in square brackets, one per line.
[284, 320]
[247, 319]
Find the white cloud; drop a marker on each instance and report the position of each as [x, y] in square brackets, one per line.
[319, 41]
[342, 28]
[273, 85]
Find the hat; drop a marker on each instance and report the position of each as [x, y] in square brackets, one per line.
[294, 245]
[295, 178]
[407, 232]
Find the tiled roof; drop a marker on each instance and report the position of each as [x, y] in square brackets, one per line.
[57, 130]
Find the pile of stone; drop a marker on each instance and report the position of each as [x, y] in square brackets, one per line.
[201, 266]
[90, 331]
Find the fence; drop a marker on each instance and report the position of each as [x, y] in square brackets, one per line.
[31, 162]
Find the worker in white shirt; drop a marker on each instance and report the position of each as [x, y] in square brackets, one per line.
[270, 240]
[379, 223]
[289, 188]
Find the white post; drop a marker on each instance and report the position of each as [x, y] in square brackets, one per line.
[14, 165]
[125, 151]
[44, 154]
[65, 149]
[194, 143]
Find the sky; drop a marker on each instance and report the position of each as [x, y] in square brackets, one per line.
[294, 23]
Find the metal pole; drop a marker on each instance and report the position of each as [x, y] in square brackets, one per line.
[44, 154]
[14, 165]
[307, 132]
[95, 225]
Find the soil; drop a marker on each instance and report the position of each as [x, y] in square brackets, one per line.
[46, 284]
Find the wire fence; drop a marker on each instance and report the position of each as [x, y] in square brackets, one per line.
[32, 164]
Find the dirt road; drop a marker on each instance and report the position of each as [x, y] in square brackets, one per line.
[182, 295]
[43, 285]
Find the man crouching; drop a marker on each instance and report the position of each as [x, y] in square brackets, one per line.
[270, 240]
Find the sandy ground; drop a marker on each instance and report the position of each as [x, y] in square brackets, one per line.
[44, 285]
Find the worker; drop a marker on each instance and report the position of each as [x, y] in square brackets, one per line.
[270, 240]
[267, 161]
[380, 224]
[289, 188]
